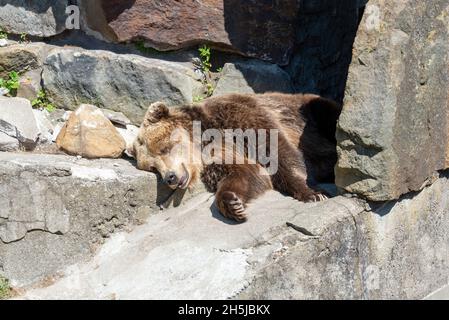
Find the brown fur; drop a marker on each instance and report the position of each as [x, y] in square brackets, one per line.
[307, 151]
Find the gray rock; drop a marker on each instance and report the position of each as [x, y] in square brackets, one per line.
[42, 18]
[252, 77]
[116, 117]
[18, 122]
[30, 84]
[8, 143]
[392, 134]
[336, 249]
[121, 83]
[46, 128]
[129, 134]
[55, 209]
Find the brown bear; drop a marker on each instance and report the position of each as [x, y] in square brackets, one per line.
[303, 126]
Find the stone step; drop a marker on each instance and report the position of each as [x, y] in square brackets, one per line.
[341, 248]
[56, 209]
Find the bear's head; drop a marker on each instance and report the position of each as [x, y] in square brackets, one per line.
[164, 145]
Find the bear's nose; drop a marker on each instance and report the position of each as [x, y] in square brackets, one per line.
[171, 178]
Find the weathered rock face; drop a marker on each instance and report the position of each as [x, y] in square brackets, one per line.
[18, 127]
[43, 18]
[252, 77]
[22, 58]
[30, 84]
[325, 32]
[124, 83]
[263, 29]
[90, 134]
[393, 132]
[55, 209]
[336, 249]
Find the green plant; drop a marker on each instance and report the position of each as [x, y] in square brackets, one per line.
[3, 34]
[11, 84]
[198, 98]
[204, 65]
[5, 289]
[42, 102]
[23, 37]
[205, 55]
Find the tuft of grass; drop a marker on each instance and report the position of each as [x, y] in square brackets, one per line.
[3, 34]
[12, 83]
[204, 66]
[23, 37]
[5, 289]
[41, 102]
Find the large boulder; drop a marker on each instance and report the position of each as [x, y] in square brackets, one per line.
[252, 77]
[393, 131]
[262, 29]
[90, 134]
[56, 209]
[123, 83]
[18, 126]
[43, 18]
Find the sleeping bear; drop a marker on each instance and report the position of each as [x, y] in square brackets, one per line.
[240, 146]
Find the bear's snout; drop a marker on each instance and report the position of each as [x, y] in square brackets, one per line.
[171, 178]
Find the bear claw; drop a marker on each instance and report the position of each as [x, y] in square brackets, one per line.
[233, 207]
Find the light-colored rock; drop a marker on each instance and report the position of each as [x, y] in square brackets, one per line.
[3, 42]
[116, 117]
[253, 77]
[121, 83]
[55, 209]
[393, 131]
[90, 134]
[46, 128]
[42, 18]
[8, 143]
[337, 249]
[129, 134]
[30, 84]
[18, 122]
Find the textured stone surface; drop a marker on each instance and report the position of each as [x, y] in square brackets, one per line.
[43, 18]
[263, 29]
[17, 122]
[252, 77]
[45, 126]
[123, 83]
[90, 134]
[54, 210]
[338, 249]
[30, 84]
[325, 32]
[393, 131]
[22, 58]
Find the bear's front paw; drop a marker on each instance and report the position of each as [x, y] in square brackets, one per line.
[231, 206]
[310, 196]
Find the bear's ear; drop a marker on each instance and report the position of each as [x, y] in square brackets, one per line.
[156, 112]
